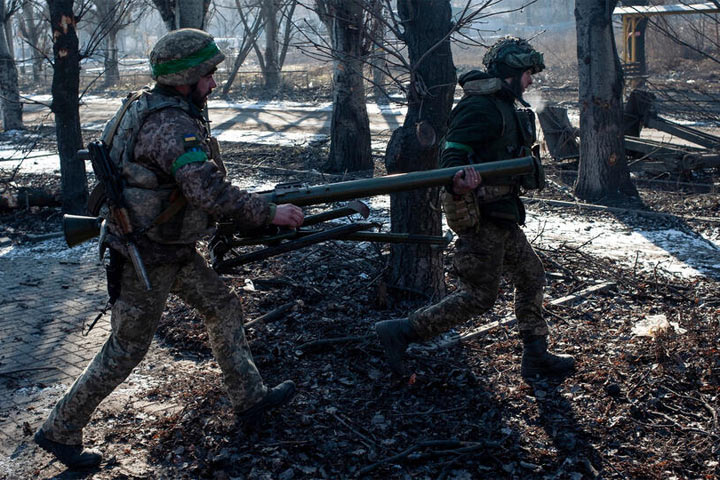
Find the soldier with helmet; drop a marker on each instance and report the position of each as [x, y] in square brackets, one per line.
[491, 122]
[175, 187]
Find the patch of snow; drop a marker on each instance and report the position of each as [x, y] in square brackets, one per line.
[271, 105]
[53, 248]
[668, 250]
[265, 137]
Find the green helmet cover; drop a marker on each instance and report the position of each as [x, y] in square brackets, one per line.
[513, 55]
[182, 57]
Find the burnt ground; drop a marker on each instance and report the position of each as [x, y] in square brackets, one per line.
[638, 407]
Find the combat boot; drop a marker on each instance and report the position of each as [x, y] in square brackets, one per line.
[395, 336]
[536, 359]
[75, 457]
[253, 417]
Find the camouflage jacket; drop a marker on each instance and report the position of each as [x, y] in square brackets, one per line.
[164, 150]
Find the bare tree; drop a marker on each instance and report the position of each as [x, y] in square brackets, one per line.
[252, 23]
[350, 126]
[376, 54]
[10, 101]
[277, 21]
[425, 27]
[65, 92]
[32, 27]
[112, 16]
[602, 170]
[183, 13]
[66, 97]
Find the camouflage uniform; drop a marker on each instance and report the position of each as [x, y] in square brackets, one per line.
[168, 156]
[489, 124]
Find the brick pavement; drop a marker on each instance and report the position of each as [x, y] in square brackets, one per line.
[43, 303]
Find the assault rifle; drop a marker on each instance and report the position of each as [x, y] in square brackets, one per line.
[281, 241]
[108, 176]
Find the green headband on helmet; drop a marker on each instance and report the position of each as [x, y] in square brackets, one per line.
[180, 64]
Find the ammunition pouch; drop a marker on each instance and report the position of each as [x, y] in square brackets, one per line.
[461, 211]
[113, 272]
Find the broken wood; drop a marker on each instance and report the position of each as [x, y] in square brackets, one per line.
[560, 135]
[511, 320]
[316, 345]
[29, 197]
[273, 315]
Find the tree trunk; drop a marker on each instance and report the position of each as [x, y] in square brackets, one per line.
[414, 146]
[602, 169]
[350, 126]
[378, 65]
[9, 36]
[10, 102]
[182, 13]
[378, 55]
[271, 70]
[65, 90]
[31, 31]
[112, 70]
[190, 14]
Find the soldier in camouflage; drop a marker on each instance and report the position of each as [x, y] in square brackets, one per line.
[175, 187]
[491, 122]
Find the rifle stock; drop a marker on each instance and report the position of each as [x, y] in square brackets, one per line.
[110, 179]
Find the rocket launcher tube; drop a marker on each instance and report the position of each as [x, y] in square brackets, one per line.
[300, 194]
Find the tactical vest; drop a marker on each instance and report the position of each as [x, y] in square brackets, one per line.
[518, 133]
[499, 197]
[155, 205]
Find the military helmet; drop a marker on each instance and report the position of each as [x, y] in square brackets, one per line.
[511, 56]
[182, 57]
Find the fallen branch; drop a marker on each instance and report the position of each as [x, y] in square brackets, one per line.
[273, 315]
[316, 345]
[605, 208]
[511, 320]
[457, 446]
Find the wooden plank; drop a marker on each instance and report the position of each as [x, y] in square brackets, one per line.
[560, 135]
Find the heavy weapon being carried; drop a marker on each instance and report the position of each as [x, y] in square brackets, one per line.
[302, 195]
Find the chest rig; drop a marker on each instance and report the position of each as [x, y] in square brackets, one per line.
[156, 205]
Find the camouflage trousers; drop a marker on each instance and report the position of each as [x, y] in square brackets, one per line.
[480, 261]
[135, 317]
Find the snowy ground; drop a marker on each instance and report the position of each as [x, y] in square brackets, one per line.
[670, 250]
[680, 252]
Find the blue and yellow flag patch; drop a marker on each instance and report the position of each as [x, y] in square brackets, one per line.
[193, 152]
[191, 142]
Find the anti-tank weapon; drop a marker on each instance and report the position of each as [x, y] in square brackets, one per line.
[225, 240]
[281, 241]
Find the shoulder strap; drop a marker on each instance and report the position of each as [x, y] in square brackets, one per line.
[123, 110]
